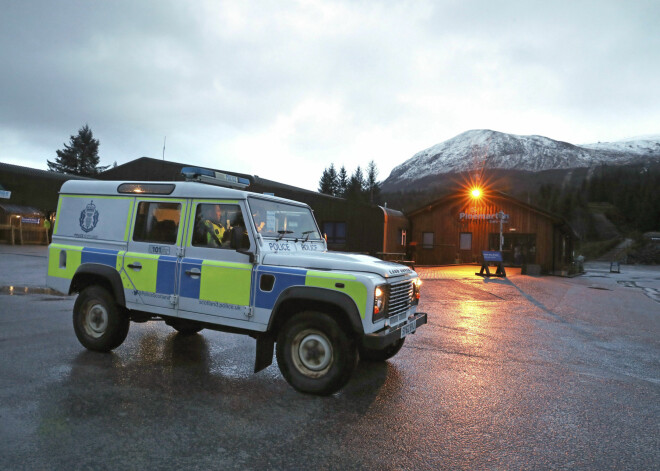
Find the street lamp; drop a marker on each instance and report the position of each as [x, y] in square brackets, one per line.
[475, 193]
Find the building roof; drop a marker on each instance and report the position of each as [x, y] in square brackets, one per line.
[20, 210]
[173, 169]
[35, 172]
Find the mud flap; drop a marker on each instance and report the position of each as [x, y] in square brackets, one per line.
[264, 357]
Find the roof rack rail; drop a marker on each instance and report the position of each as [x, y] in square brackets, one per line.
[204, 175]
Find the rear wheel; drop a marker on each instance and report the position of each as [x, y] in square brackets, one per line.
[315, 354]
[100, 324]
[371, 354]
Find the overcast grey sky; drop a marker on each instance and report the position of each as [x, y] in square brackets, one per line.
[282, 89]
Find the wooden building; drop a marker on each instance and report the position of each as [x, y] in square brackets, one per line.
[456, 228]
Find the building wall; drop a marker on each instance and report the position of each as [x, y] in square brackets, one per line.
[524, 224]
[395, 222]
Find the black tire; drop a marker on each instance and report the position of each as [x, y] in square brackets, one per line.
[185, 327]
[370, 354]
[314, 353]
[100, 324]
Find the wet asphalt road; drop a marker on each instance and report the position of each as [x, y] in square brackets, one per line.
[522, 373]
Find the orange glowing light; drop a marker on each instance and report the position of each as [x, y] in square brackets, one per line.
[476, 193]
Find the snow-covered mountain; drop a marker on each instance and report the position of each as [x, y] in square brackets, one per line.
[642, 145]
[486, 149]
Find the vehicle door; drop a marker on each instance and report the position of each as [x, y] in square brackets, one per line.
[215, 277]
[150, 265]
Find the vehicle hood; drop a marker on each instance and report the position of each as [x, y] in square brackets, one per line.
[338, 261]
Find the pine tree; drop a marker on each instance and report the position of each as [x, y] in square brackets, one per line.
[342, 182]
[356, 186]
[334, 182]
[80, 156]
[325, 183]
[373, 187]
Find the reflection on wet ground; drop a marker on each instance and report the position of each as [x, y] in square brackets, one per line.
[516, 373]
[25, 290]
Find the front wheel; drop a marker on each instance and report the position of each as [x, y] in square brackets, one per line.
[100, 324]
[315, 354]
[371, 354]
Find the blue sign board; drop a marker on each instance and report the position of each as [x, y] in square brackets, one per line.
[492, 256]
[30, 220]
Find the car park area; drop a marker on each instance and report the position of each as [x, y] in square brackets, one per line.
[516, 373]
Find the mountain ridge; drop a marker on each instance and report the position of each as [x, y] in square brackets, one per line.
[485, 149]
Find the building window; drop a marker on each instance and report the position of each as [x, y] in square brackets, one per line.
[336, 232]
[427, 240]
[466, 241]
[157, 222]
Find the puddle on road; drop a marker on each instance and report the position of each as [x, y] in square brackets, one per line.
[23, 290]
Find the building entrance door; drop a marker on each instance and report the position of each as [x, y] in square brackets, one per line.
[517, 249]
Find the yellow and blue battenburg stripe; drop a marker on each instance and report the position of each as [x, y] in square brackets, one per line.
[226, 282]
[162, 281]
[102, 256]
[288, 277]
[284, 278]
[166, 274]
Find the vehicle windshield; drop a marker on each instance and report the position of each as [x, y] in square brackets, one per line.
[283, 221]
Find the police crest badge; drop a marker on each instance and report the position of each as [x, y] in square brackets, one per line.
[89, 217]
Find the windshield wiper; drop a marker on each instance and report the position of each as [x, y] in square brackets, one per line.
[281, 233]
[307, 233]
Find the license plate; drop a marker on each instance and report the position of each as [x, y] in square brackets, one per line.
[409, 328]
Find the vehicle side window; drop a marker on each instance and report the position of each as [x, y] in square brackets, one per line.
[157, 222]
[220, 226]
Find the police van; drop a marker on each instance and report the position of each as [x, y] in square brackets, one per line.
[206, 254]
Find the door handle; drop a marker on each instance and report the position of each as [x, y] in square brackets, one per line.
[135, 266]
[194, 272]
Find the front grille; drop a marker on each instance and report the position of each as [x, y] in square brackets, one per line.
[400, 298]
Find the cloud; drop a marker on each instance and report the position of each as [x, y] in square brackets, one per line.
[283, 89]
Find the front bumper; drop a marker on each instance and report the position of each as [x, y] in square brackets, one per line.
[383, 338]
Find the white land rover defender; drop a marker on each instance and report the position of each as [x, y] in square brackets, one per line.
[216, 257]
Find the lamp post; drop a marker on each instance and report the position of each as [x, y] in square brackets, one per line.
[500, 216]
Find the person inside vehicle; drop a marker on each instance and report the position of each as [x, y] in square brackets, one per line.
[259, 221]
[210, 230]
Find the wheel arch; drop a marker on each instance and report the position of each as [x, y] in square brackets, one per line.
[302, 298]
[89, 274]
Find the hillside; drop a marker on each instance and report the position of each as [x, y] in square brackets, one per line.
[513, 161]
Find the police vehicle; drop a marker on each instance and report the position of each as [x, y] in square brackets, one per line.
[214, 256]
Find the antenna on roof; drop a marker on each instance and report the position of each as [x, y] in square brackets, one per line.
[164, 147]
[203, 175]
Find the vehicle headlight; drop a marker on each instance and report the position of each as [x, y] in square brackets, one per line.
[380, 302]
[417, 283]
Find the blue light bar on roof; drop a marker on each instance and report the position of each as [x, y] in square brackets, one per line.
[211, 177]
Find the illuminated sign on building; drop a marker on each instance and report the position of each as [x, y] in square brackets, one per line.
[482, 217]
